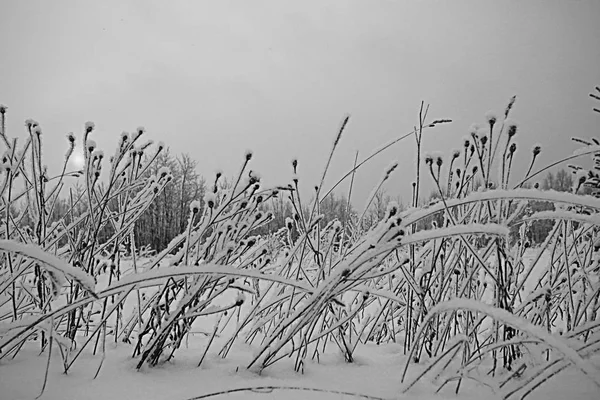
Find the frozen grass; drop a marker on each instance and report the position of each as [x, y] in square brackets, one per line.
[462, 307]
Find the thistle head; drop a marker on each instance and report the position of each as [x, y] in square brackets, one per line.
[491, 118]
[209, 199]
[90, 146]
[30, 123]
[466, 142]
[89, 127]
[511, 128]
[428, 159]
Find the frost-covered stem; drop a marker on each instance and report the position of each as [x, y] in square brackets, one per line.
[418, 138]
[480, 157]
[135, 271]
[493, 153]
[3, 124]
[490, 156]
[570, 309]
[511, 156]
[212, 337]
[450, 175]
[320, 187]
[527, 177]
[375, 153]
[9, 178]
[348, 205]
[103, 350]
[50, 343]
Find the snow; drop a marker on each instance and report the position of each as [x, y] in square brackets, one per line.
[376, 372]
[412, 216]
[593, 219]
[49, 260]
[491, 116]
[471, 229]
[523, 325]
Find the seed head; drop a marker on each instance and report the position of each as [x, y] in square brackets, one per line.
[509, 106]
[254, 177]
[209, 199]
[392, 209]
[163, 171]
[30, 123]
[248, 155]
[491, 117]
[3, 109]
[195, 206]
[428, 159]
[537, 149]
[512, 128]
[391, 168]
[512, 148]
[89, 127]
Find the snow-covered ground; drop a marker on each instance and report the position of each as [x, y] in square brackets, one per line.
[376, 372]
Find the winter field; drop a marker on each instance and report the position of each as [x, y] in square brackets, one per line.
[444, 299]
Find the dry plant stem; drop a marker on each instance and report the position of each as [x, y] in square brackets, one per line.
[135, 271]
[348, 205]
[320, 186]
[121, 298]
[50, 343]
[270, 389]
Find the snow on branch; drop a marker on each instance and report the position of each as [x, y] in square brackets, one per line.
[34, 252]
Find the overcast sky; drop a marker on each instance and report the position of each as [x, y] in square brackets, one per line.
[214, 78]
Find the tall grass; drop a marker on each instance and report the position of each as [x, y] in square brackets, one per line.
[443, 279]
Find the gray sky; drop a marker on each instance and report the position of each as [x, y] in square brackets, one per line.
[214, 78]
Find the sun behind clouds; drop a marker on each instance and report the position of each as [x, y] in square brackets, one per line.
[77, 160]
